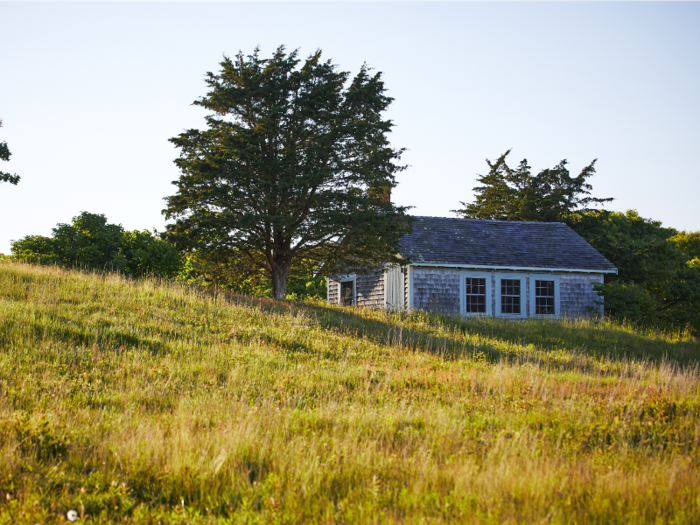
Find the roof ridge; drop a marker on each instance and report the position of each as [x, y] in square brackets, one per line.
[488, 220]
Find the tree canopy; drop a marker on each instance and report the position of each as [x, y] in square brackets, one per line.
[515, 194]
[5, 155]
[292, 167]
[658, 281]
[688, 243]
[89, 242]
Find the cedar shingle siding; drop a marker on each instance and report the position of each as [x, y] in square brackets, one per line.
[332, 291]
[577, 293]
[370, 289]
[444, 252]
[436, 289]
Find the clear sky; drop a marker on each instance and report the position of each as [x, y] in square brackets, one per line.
[91, 92]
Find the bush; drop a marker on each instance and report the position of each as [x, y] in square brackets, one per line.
[628, 302]
[89, 242]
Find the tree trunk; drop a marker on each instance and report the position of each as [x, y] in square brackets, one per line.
[279, 281]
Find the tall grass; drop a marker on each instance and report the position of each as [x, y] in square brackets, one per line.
[158, 403]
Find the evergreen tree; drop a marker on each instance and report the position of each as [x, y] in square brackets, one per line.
[289, 169]
[552, 195]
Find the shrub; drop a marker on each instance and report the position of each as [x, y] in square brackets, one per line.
[89, 242]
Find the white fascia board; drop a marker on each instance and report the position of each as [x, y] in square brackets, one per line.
[514, 268]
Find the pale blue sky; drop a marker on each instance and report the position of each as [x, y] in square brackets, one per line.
[90, 93]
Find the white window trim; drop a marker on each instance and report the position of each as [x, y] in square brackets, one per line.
[557, 303]
[463, 275]
[522, 278]
[347, 279]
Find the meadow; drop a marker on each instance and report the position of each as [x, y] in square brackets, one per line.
[153, 402]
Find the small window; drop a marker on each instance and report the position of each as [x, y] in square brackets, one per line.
[476, 295]
[347, 293]
[544, 297]
[510, 296]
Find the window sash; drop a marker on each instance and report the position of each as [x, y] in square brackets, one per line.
[544, 295]
[510, 296]
[475, 295]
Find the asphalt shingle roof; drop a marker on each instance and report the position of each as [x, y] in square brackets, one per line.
[482, 242]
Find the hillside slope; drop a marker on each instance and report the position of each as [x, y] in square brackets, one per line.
[153, 402]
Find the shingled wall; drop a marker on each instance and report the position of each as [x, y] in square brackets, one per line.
[577, 294]
[436, 289]
[333, 291]
[369, 289]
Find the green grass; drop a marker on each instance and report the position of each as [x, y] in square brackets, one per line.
[156, 403]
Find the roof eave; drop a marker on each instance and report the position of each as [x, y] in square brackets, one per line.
[514, 268]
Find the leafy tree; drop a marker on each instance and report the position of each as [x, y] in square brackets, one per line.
[206, 269]
[146, 254]
[292, 167]
[5, 155]
[688, 243]
[89, 242]
[658, 281]
[515, 194]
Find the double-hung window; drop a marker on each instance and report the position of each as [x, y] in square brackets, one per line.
[544, 295]
[475, 293]
[510, 295]
[510, 291]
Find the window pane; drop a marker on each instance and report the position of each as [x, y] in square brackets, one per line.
[346, 295]
[476, 295]
[544, 297]
[510, 296]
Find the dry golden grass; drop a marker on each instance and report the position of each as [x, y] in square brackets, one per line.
[154, 402]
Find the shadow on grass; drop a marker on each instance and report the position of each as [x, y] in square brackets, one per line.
[558, 344]
[103, 338]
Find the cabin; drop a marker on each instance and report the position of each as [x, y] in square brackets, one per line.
[476, 267]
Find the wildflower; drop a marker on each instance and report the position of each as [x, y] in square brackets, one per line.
[71, 515]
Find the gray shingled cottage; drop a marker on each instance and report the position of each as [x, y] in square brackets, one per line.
[483, 267]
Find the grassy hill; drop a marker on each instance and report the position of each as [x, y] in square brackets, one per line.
[156, 403]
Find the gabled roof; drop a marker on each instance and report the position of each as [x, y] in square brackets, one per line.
[507, 244]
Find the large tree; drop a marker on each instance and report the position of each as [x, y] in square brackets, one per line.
[294, 165]
[5, 155]
[516, 194]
